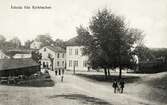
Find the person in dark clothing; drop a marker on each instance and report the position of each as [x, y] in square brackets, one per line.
[55, 72]
[122, 83]
[62, 77]
[59, 72]
[63, 71]
[115, 85]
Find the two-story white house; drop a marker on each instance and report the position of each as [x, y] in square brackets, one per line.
[57, 54]
[75, 59]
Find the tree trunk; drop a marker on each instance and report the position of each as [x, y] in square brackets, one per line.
[105, 73]
[120, 72]
[108, 72]
[74, 70]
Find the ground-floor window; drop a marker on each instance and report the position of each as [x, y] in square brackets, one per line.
[85, 63]
[70, 63]
[62, 63]
[58, 63]
[76, 63]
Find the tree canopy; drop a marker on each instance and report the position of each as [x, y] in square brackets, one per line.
[2, 41]
[60, 43]
[45, 39]
[110, 41]
[15, 42]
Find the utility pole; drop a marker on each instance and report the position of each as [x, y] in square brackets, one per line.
[74, 69]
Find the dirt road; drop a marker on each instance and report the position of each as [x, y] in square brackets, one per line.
[73, 91]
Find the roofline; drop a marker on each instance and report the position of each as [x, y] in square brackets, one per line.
[19, 67]
[51, 49]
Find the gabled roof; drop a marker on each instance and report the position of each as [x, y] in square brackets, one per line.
[4, 52]
[9, 64]
[56, 49]
[17, 51]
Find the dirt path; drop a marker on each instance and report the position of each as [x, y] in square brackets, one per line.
[95, 89]
[74, 90]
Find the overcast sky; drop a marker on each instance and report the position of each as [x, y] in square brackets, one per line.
[61, 21]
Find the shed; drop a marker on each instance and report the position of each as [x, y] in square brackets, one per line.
[15, 67]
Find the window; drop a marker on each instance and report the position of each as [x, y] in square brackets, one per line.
[44, 49]
[70, 51]
[76, 51]
[49, 56]
[70, 63]
[58, 55]
[84, 63]
[62, 55]
[62, 63]
[76, 63]
[81, 49]
[58, 63]
[47, 65]
[44, 65]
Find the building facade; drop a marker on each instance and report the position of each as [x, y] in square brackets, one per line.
[75, 59]
[52, 55]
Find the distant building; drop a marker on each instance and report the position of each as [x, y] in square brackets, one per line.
[57, 54]
[15, 53]
[35, 45]
[22, 55]
[75, 59]
[3, 55]
[14, 67]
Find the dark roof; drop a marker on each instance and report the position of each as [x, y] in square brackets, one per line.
[56, 49]
[9, 64]
[16, 51]
[4, 51]
[73, 42]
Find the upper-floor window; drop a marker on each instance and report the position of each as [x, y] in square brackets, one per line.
[62, 63]
[70, 51]
[81, 49]
[62, 55]
[70, 63]
[58, 55]
[44, 49]
[76, 51]
[58, 63]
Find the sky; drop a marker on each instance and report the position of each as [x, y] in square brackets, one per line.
[65, 15]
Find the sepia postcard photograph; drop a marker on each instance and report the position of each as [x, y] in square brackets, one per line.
[83, 52]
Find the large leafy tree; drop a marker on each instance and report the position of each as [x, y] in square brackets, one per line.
[60, 43]
[15, 42]
[45, 39]
[2, 41]
[144, 53]
[110, 43]
[36, 56]
[27, 44]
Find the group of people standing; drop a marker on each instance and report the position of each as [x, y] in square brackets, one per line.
[60, 72]
[118, 85]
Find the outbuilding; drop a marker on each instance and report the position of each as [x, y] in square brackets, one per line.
[15, 67]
